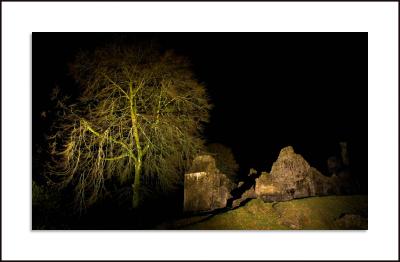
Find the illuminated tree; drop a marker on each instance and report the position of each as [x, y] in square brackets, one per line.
[139, 114]
[225, 159]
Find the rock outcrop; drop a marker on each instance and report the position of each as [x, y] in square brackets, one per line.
[205, 187]
[292, 177]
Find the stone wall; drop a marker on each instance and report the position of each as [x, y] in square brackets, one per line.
[205, 187]
[292, 177]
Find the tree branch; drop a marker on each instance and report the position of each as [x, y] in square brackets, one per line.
[116, 158]
[88, 127]
[120, 88]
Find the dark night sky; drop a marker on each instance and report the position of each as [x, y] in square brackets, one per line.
[269, 90]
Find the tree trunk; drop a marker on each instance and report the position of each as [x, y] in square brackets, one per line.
[136, 185]
[138, 162]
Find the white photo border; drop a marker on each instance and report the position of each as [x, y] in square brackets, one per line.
[379, 19]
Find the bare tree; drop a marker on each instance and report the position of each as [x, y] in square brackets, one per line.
[139, 114]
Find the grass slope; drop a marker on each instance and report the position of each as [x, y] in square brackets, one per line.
[330, 212]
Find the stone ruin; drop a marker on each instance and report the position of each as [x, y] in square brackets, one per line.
[291, 177]
[245, 189]
[205, 187]
[249, 193]
[344, 153]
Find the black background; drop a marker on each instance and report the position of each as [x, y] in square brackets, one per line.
[269, 90]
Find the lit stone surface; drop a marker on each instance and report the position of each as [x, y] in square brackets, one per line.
[292, 177]
[196, 175]
[248, 194]
[205, 188]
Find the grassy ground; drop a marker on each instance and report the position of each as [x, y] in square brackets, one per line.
[331, 212]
